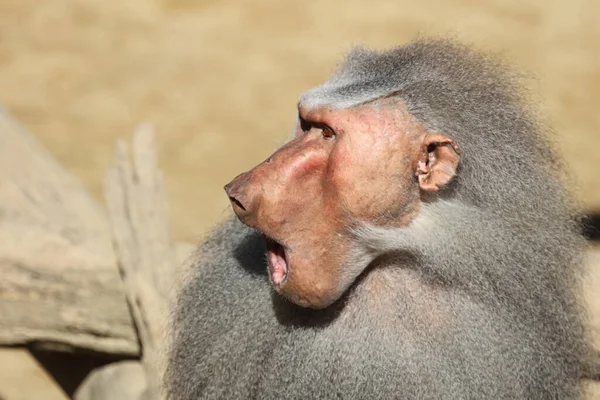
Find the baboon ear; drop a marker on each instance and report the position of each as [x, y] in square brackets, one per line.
[437, 162]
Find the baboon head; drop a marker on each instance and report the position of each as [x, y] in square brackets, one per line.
[369, 162]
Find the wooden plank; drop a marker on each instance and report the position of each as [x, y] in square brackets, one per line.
[125, 380]
[59, 279]
[147, 260]
[60, 283]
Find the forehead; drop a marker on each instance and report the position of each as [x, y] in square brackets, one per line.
[337, 94]
[383, 106]
[352, 84]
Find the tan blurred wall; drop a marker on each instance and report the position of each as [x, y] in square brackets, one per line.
[220, 79]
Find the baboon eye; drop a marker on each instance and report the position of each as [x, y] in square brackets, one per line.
[328, 133]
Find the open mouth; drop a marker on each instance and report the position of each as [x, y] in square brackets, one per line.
[277, 262]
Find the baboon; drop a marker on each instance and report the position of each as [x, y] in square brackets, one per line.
[414, 240]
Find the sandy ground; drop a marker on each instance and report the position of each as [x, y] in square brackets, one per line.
[220, 79]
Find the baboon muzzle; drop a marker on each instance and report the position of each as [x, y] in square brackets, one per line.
[259, 190]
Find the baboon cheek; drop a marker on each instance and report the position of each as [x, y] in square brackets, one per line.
[310, 287]
[313, 277]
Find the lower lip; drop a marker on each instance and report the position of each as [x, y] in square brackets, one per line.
[277, 261]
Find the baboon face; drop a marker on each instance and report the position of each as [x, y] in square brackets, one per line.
[366, 163]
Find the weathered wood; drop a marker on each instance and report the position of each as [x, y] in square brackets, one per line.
[125, 380]
[146, 257]
[59, 279]
[591, 390]
[60, 283]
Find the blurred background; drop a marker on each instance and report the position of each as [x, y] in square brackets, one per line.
[219, 81]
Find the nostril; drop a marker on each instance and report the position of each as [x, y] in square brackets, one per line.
[237, 202]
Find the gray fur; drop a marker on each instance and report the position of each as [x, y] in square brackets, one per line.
[475, 299]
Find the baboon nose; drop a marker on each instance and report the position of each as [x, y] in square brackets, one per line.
[240, 200]
[237, 204]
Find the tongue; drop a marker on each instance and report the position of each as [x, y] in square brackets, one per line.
[278, 263]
